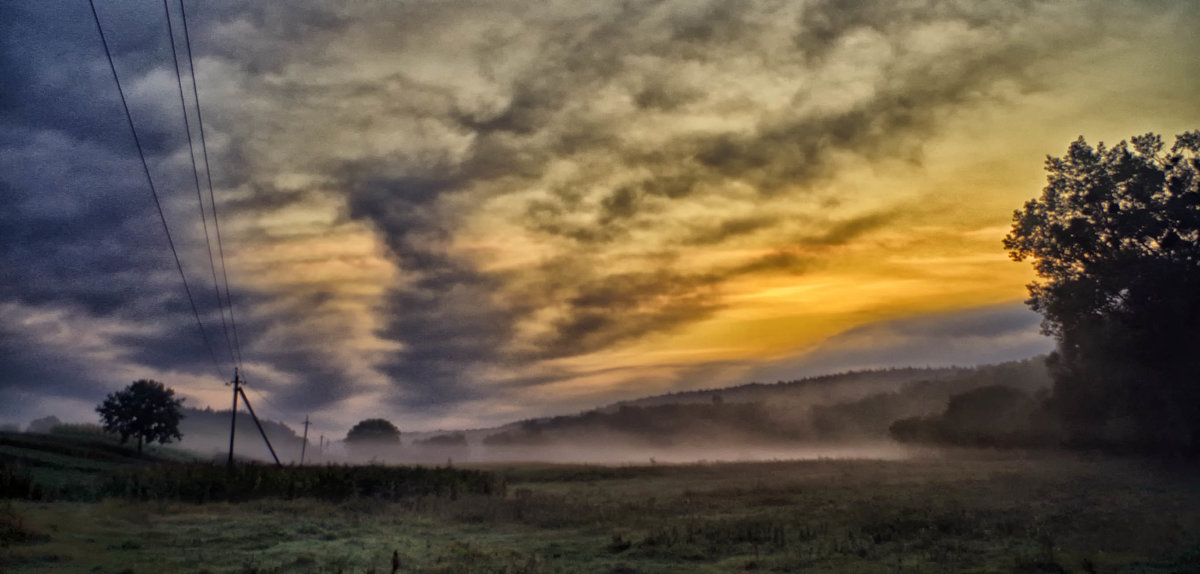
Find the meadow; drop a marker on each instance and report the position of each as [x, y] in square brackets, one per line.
[967, 511]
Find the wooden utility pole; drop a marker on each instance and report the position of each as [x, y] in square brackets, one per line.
[237, 382]
[258, 424]
[238, 391]
[304, 445]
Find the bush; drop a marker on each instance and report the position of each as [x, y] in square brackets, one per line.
[993, 416]
[16, 482]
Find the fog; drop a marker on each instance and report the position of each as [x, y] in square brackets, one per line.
[605, 452]
[857, 415]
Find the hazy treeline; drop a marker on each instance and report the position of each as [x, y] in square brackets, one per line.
[995, 415]
[722, 419]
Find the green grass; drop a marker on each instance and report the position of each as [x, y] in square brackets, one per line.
[982, 513]
[72, 466]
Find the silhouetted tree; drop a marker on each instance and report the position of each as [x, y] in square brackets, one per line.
[1115, 241]
[374, 431]
[145, 409]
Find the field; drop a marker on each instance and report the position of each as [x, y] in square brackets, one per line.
[971, 512]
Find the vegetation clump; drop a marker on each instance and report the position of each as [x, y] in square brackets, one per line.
[201, 482]
[1115, 241]
[146, 410]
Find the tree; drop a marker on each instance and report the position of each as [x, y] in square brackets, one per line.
[1115, 241]
[43, 425]
[146, 410]
[374, 431]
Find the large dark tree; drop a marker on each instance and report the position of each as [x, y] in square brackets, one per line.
[374, 431]
[1115, 241]
[146, 410]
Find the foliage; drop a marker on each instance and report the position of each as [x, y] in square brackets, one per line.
[44, 425]
[16, 482]
[146, 410]
[82, 430]
[201, 482]
[66, 466]
[379, 431]
[993, 416]
[1115, 241]
[661, 425]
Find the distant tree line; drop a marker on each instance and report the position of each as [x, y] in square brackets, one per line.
[777, 422]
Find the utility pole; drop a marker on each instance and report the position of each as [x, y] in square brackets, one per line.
[304, 445]
[258, 424]
[238, 391]
[237, 387]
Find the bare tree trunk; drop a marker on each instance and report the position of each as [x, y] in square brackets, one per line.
[139, 444]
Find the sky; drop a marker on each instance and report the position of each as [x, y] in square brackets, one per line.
[457, 214]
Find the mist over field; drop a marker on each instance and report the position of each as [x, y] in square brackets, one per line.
[848, 415]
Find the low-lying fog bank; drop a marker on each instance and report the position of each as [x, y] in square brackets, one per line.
[615, 454]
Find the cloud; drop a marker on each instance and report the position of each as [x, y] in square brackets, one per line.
[434, 204]
[605, 161]
[977, 336]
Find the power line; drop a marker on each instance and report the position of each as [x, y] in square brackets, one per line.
[237, 345]
[153, 191]
[196, 179]
[279, 411]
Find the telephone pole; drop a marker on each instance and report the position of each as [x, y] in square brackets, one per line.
[237, 387]
[258, 424]
[238, 391]
[304, 445]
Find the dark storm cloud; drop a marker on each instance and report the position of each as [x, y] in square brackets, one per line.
[79, 233]
[27, 367]
[623, 306]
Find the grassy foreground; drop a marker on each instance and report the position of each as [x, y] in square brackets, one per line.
[977, 513]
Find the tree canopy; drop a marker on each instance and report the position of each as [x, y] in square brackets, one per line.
[146, 409]
[1115, 241]
[377, 431]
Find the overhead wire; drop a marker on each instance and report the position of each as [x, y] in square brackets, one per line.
[196, 180]
[278, 410]
[230, 328]
[237, 345]
[153, 190]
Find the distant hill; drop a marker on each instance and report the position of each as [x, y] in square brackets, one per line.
[852, 406]
[809, 391]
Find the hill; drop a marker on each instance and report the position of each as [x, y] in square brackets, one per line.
[68, 462]
[847, 407]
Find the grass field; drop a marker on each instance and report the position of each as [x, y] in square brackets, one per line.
[981, 512]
